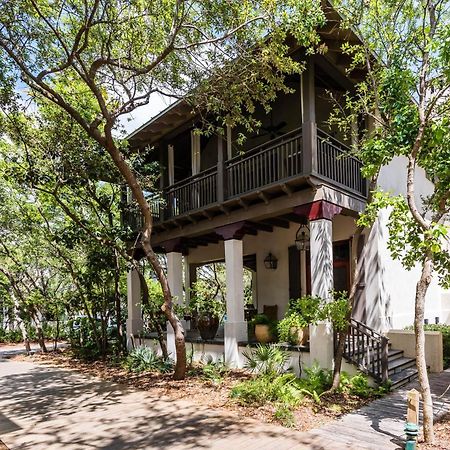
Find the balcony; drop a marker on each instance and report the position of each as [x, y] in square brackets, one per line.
[278, 163]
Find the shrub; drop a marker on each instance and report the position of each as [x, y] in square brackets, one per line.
[10, 336]
[280, 390]
[214, 371]
[315, 383]
[145, 359]
[266, 360]
[261, 319]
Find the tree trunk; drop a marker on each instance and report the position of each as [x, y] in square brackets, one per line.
[25, 338]
[41, 337]
[55, 342]
[138, 194]
[421, 290]
[120, 340]
[155, 321]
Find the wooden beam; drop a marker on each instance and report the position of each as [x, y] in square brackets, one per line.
[294, 218]
[276, 222]
[286, 189]
[261, 226]
[243, 204]
[263, 197]
[191, 219]
[224, 209]
[207, 214]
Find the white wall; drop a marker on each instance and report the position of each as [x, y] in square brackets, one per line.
[272, 286]
[393, 179]
[398, 285]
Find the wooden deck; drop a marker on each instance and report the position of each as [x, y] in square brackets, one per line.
[379, 426]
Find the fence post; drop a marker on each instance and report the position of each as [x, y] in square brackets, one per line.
[412, 419]
[384, 359]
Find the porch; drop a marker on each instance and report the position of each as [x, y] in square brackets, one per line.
[245, 243]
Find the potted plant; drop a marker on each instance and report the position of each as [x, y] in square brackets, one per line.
[263, 328]
[301, 313]
[292, 328]
[207, 308]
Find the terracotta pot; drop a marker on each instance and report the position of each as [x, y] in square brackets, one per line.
[207, 326]
[299, 336]
[305, 335]
[263, 334]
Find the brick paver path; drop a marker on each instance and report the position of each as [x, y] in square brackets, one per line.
[46, 408]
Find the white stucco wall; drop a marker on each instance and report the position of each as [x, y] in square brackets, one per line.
[272, 286]
[393, 179]
[397, 285]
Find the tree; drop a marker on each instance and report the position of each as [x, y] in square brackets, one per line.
[117, 54]
[404, 48]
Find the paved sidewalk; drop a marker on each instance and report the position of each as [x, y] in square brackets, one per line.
[46, 408]
[8, 350]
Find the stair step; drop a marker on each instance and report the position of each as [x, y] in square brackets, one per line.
[399, 364]
[403, 377]
[394, 354]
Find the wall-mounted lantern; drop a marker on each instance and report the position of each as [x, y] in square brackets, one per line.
[270, 262]
[302, 238]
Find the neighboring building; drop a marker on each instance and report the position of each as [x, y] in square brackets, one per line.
[221, 201]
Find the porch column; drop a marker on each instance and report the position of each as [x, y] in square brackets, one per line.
[175, 280]
[235, 325]
[174, 252]
[320, 215]
[321, 251]
[134, 320]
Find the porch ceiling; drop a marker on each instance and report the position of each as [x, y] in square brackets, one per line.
[260, 218]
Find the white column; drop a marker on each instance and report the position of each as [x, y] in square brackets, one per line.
[134, 320]
[175, 280]
[195, 153]
[235, 326]
[321, 250]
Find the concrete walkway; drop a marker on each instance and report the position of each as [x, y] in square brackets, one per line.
[50, 408]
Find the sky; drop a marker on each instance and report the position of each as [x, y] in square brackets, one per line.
[143, 114]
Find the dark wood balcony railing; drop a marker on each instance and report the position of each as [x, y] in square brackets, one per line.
[190, 194]
[271, 162]
[336, 163]
[277, 161]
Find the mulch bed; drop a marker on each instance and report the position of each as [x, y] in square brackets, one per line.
[442, 435]
[205, 392]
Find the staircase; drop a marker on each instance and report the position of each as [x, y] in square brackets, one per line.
[371, 352]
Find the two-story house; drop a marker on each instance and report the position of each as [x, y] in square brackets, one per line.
[282, 203]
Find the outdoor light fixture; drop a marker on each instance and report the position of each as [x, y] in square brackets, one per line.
[302, 238]
[270, 262]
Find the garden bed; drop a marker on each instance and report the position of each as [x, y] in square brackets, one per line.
[206, 390]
